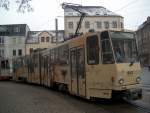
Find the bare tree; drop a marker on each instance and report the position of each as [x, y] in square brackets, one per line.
[23, 5]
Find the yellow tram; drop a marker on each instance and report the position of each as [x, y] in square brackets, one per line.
[94, 65]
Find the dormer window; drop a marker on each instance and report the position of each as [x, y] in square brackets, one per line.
[42, 39]
[70, 14]
[97, 13]
[47, 39]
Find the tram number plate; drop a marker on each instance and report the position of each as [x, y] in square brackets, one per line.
[130, 72]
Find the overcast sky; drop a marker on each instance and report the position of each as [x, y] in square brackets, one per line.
[135, 12]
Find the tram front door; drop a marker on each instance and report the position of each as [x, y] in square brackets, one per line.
[78, 81]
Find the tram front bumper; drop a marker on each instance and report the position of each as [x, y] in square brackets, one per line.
[132, 94]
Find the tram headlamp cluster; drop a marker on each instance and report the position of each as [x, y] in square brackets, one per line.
[121, 81]
[138, 79]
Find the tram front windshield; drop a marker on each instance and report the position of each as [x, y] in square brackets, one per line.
[124, 47]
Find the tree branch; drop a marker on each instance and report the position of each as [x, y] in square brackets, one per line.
[23, 5]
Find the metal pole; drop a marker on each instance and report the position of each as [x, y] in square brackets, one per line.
[0, 65]
[56, 25]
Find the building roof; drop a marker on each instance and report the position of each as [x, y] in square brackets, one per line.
[33, 36]
[13, 29]
[144, 23]
[90, 11]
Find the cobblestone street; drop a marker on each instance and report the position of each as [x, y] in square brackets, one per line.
[23, 98]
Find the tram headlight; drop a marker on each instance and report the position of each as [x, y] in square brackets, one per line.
[121, 81]
[138, 79]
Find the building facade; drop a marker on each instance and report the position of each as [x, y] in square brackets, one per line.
[97, 18]
[143, 41]
[42, 39]
[12, 43]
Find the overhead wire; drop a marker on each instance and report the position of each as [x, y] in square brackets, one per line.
[127, 5]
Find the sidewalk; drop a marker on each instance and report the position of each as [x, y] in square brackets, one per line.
[145, 76]
[145, 101]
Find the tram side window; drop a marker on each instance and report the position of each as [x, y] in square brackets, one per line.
[92, 50]
[107, 54]
[56, 55]
[31, 66]
[52, 56]
[63, 54]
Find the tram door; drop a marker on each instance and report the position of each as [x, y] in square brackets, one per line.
[78, 86]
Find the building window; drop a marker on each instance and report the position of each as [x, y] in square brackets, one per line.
[121, 25]
[114, 24]
[42, 39]
[71, 14]
[16, 29]
[19, 52]
[87, 24]
[1, 40]
[1, 53]
[99, 24]
[47, 39]
[70, 25]
[31, 50]
[14, 52]
[106, 24]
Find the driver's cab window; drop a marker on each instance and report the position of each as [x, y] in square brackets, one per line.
[107, 53]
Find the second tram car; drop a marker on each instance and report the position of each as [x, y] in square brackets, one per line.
[94, 65]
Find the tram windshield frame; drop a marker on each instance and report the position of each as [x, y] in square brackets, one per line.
[118, 47]
[124, 46]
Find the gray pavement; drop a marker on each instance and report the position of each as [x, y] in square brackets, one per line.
[23, 98]
[145, 75]
[145, 85]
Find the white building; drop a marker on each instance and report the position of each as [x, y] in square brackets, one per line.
[97, 18]
[12, 43]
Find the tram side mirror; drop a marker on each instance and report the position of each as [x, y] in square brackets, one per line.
[132, 62]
